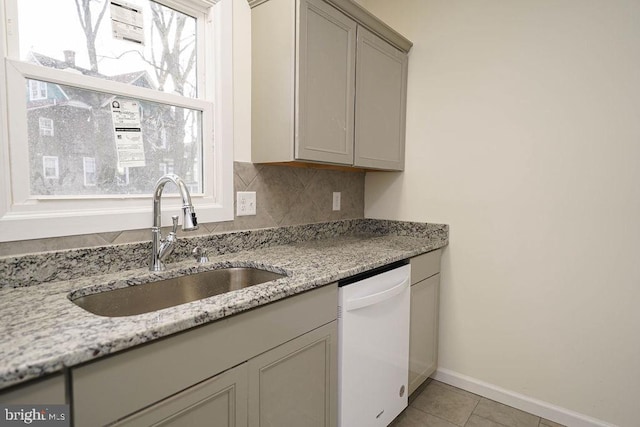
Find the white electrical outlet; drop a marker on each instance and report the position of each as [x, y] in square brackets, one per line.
[245, 203]
[336, 200]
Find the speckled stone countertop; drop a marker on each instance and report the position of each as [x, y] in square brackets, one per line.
[43, 331]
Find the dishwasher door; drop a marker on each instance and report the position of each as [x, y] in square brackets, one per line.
[373, 348]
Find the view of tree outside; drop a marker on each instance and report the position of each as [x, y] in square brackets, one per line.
[75, 125]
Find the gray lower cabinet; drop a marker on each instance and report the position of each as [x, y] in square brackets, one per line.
[220, 401]
[260, 367]
[46, 391]
[423, 332]
[295, 384]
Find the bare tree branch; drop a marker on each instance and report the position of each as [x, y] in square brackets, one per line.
[83, 8]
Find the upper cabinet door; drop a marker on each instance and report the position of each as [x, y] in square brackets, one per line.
[326, 84]
[381, 103]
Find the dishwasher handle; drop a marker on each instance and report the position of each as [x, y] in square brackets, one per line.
[366, 301]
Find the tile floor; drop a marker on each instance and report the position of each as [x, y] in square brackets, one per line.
[441, 405]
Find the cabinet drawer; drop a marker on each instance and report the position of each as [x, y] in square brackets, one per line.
[425, 265]
[109, 389]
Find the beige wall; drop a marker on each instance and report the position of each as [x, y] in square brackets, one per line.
[523, 134]
[242, 81]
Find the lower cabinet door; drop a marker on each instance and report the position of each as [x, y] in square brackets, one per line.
[295, 384]
[423, 332]
[47, 391]
[220, 401]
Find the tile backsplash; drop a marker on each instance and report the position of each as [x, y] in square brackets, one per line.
[284, 196]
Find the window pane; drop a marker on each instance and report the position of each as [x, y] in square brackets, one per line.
[46, 126]
[92, 39]
[37, 90]
[167, 139]
[89, 171]
[50, 167]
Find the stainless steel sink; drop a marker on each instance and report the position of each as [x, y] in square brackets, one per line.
[154, 296]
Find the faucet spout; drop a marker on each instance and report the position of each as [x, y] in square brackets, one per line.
[162, 248]
[190, 221]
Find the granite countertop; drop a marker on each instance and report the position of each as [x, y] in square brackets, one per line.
[43, 331]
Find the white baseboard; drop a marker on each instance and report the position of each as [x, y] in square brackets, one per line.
[517, 400]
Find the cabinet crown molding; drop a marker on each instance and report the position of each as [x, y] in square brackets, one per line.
[365, 18]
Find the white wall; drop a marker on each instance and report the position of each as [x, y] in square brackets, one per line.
[523, 134]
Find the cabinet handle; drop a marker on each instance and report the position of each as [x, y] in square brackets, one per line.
[357, 303]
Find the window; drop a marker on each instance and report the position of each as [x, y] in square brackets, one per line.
[50, 167]
[37, 90]
[163, 138]
[122, 177]
[145, 92]
[89, 168]
[46, 126]
[166, 166]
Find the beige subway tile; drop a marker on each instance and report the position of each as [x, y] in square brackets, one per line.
[246, 172]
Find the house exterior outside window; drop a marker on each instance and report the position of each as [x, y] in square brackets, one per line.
[166, 166]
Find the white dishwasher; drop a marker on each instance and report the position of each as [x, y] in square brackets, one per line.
[373, 346]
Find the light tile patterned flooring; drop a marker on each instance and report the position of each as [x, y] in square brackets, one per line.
[441, 405]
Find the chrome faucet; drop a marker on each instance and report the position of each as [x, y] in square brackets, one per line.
[162, 248]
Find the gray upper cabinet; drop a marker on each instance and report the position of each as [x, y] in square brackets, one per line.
[381, 87]
[328, 85]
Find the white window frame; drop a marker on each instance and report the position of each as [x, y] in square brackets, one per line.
[46, 126]
[40, 90]
[89, 161]
[56, 175]
[29, 217]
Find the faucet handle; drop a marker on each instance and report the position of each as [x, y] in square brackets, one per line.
[200, 255]
[174, 218]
